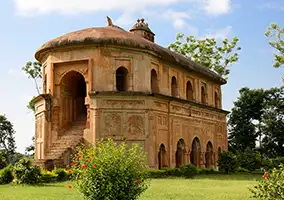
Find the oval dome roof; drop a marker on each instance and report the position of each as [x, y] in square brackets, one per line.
[113, 35]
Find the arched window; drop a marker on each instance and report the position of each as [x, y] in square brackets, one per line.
[174, 87]
[121, 79]
[203, 95]
[180, 153]
[217, 100]
[189, 91]
[154, 81]
[209, 156]
[195, 154]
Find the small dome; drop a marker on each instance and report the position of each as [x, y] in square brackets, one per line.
[141, 25]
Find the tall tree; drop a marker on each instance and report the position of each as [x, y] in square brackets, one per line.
[7, 140]
[30, 149]
[34, 72]
[273, 118]
[208, 53]
[276, 33]
[245, 119]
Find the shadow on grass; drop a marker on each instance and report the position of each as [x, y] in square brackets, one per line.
[237, 176]
[57, 185]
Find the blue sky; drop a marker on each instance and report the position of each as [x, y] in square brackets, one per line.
[26, 24]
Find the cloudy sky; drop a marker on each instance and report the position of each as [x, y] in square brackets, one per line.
[26, 24]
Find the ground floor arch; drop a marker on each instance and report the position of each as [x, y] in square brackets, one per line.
[195, 154]
[73, 92]
[180, 153]
[162, 157]
[209, 155]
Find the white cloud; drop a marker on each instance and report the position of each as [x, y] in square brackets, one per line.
[273, 5]
[217, 7]
[220, 34]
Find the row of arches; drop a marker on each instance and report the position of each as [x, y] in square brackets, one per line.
[122, 82]
[194, 157]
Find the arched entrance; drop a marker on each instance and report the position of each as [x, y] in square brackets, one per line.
[180, 153]
[72, 102]
[162, 158]
[195, 152]
[209, 162]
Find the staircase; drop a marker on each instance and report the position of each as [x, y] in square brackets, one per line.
[69, 140]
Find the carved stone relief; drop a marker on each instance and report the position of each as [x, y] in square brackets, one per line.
[135, 125]
[124, 103]
[112, 124]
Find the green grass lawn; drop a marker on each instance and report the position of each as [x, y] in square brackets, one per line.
[203, 187]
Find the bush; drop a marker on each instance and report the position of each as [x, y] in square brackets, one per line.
[188, 171]
[227, 162]
[249, 159]
[173, 172]
[47, 177]
[241, 169]
[62, 174]
[3, 162]
[206, 171]
[156, 173]
[110, 171]
[6, 175]
[271, 186]
[25, 173]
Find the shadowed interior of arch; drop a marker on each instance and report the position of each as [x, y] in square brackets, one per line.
[195, 152]
[162, 157]
[209, 156]
[180, 153]
[73, 94]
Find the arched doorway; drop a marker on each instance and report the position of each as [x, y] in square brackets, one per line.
[195, 152]
[154, 81]
[174, 87]
[209, 155]
[121, 79]
[180, 153]
[162, 159]
[189, 91]
[73, 93]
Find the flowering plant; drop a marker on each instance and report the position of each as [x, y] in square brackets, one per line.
[271, 186]
[110, 171]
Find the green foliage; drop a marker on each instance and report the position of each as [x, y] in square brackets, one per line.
[47, 177]
[188, 171]
[156, 173]
[3, 162]
[273, 118]
[249, 108]
[207, 52]
[6, 175]
[26, 173]
[275, 32]
[227, 162]
[249, 159]
[62, 174]
[271, 186]
[110, 171]
[34, 72]
[207, 171]
[241, 169]
[7, 140]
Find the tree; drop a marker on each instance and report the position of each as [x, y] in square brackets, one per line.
[273, 118]
[207, 53]
[245, 120]
[7, 140]
[277, 34]
[30, 149]
[34, 72]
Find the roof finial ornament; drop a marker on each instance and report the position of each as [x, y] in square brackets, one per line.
[109, 21]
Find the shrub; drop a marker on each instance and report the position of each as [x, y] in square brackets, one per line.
[6, 175]
[3, 162]
[110, 171]
[156, 173]
[249, 159]
[188, 171]
[47, 177]
[241, 169]
[62, 174]
[206, 171]
[227, 162]
[25, 173]
[173, 172]
[271, 186]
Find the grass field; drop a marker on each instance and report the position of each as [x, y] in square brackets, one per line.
[205, 187]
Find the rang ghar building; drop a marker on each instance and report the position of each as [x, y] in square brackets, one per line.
[106, 82]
